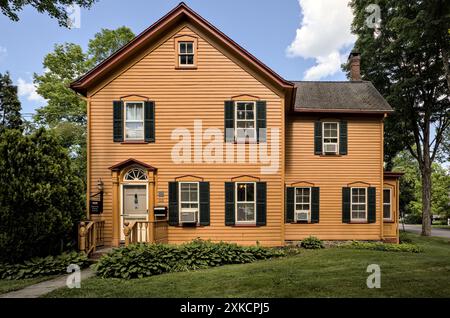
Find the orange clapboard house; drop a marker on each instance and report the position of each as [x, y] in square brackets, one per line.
[190, 136]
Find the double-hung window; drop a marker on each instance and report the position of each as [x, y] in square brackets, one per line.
[134, 121]
[302, 204]
[245, 121]
[330, 137]
[387, 204]
[245, 202]
[359, 204]
[186, 53]
[189, 202]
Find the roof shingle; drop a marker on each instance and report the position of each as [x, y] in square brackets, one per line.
[353, 96]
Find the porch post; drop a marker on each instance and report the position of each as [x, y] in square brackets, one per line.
[115, 209]
[151, 205]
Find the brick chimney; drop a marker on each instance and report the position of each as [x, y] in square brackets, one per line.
[354, 60]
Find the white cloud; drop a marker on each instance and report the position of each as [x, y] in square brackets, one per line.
[323, 34]
[3, 53]
[28, 90]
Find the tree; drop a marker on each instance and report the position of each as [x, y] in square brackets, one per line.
[40, 196]
[56, 8]
[107, 42]
[65, 112]
[406, 63]
[9, 104]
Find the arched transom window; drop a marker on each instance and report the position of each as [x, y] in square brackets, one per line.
[135, 174]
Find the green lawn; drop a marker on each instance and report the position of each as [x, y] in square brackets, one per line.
[12, 285]
[331, 272]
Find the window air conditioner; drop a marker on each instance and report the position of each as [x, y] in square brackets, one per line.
[189, 216]
[302, 216]
[330, 148]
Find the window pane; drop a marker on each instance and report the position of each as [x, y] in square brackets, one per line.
[240, 124]
[194, 192]
[240, 114]
[241, 192]
[134, 130]
[386, 196]
[189, 47]
[245, 212]
[183, 59]
[387, 211]
[250, 124]
[241, 106]
[182, 47]
[190, 59]
[250, 192]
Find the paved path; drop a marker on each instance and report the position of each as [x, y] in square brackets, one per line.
[40, 289]
[417, 228]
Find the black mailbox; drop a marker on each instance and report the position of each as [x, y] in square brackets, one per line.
[160, 211]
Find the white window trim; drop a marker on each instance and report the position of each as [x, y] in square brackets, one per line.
[134, 121]
[295, 204]
[236, 120]
[323, 136]
[180, 54]
[190, 202]
[390, 204]
[351, 205]
[236, 202]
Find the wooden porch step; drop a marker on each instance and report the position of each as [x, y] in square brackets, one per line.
[95, 256]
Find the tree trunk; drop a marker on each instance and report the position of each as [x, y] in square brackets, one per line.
[426, 195]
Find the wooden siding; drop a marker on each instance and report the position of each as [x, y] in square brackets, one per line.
[182, 96]
[331, 173]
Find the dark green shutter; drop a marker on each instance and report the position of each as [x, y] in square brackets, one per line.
[290, 194]
[315, 204]
[261, 205]
[318, 138]
[261, 122]
[149, 124]
[118, 121]
[229, 121]
[346, 205]
[343, 138]
[371, 204]
[204, 203]
[173, 203]
[229, 203]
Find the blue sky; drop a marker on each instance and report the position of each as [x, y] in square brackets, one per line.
[274, 31]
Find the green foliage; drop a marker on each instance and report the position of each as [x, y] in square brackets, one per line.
[9, 104]
[378, 246]
[40, 196]
[56, 8]
[312, 243]
[43, 266]
[411, 189]
[404, 238]
[106, 42]
[141, 260]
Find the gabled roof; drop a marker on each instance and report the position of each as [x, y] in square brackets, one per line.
[129, 162]
[339, 97]
[181, 13]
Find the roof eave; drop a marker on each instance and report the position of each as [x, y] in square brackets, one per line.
[342, 111]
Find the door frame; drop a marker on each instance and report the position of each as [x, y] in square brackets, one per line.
[121, 202]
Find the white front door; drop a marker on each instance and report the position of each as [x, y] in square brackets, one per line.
[134, 204]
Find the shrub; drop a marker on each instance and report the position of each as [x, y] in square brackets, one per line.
[43, 266]
[40, 197]
[311, 243]
[378, 246]
[413, 218]
[141, 260]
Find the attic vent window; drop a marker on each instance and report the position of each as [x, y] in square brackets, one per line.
[186, 53]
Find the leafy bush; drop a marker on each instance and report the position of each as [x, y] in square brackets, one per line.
[141, 260]
[43, 266]
[413, 218]
[378, 246]
[312, 243]
[40, 197]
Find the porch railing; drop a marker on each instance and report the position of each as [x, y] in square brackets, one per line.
[91, 235]
[145, 232]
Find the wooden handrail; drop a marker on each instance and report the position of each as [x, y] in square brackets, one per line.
[145, 231]
[91, 235]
